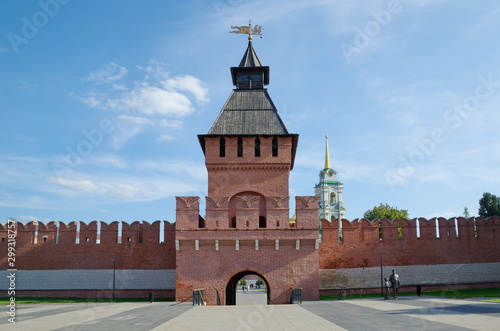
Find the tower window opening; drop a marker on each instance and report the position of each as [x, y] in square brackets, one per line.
[240, 147]
[333, 198]
[380, 230]
[201, 222]
[275, 146]
[232, 223]
[257, 147]
[222, 147]
[262, 222]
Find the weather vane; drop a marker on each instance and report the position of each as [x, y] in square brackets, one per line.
[257, 30]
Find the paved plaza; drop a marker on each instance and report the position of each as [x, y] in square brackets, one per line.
[408, 313]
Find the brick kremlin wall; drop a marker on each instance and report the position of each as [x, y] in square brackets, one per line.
[66, 262]
[455, 251]
[51, 262]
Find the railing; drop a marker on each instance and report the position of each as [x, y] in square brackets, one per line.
[198, 299]
[296, 295]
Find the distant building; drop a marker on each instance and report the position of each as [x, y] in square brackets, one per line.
[329, 191]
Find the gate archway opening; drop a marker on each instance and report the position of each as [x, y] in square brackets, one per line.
[232, 287]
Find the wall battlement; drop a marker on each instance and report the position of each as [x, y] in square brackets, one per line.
[436, 242]
[77, 245]
[93, 232]
[246, 212]
[416, 228]
[409, 242]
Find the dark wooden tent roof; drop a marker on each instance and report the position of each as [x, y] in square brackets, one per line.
[250, 58]
[249, 112]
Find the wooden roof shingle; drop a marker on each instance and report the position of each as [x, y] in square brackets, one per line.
[248, 112]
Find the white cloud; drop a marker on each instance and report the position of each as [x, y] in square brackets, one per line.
[151, 100]
[117, 187]
[165, 137]
[145, 190]
[27, 219]
[91, 100]
[136, 119]
[120, 137]
[156, 95]
[108, 73]
[189, 84]
[119, 87]
[148, 121]
[106, 185]
[108, 161]
[170, 123]
[173, 168]
[155, 71]
[81, 185]
[99, 180]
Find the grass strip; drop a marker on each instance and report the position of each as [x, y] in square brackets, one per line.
[450, 294]
[45, 300]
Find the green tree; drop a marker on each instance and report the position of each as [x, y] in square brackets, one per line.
[466, 212]
[385, 211]
[489, 205]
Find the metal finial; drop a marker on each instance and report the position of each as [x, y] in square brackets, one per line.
[327, 153]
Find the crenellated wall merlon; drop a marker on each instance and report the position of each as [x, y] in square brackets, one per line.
[306, 212]
[246, 212]
[421, 228]
[360, 243]
[95, 232]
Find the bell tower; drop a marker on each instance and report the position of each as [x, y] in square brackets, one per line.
[249, 154]
[329, 190]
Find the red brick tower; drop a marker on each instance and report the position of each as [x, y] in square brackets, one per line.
[249, 155]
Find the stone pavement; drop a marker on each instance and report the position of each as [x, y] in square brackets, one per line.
[409, 313]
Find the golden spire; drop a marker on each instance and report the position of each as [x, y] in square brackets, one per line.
[327, 153]
[257, 30]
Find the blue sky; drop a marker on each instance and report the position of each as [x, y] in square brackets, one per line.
[101, 101]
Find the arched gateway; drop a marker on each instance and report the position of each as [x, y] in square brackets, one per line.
[232, 286]
[248, 155]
